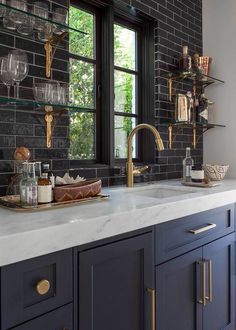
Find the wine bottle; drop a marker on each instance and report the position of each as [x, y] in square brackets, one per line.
[188, 163]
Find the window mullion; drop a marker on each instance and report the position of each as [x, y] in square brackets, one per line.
[107, 90]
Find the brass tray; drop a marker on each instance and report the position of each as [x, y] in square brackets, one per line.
[201, 185]
[12, 202]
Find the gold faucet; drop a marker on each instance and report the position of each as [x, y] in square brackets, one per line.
[130, 165]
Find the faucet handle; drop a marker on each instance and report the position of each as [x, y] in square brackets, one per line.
[138, 170]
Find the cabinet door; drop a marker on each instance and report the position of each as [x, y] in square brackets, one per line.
[113, 283]
[176, 288]
[60, 319]
[219, 313]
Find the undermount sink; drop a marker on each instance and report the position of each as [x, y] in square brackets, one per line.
[161, 192]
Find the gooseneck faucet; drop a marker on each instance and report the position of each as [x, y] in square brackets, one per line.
[130, 165]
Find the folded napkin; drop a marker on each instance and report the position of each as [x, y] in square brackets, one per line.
[68, 180]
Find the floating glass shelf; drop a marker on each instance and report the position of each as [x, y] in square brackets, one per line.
[191, 75]
[192, 124]
[25, 104]
[49, 20]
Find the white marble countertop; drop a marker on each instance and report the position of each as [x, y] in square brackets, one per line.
[28, 235]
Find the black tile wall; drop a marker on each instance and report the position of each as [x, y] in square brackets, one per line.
[177, 23]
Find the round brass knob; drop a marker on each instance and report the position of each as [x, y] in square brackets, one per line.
[43, 287]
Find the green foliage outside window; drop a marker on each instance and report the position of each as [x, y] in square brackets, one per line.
[82, 81]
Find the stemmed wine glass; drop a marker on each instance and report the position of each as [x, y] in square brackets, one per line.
[5, 75]
[18, 67]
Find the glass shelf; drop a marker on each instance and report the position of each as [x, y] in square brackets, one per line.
[192, 124]
[29, 104]
[63, 44]
[63, 27]
[192, 76]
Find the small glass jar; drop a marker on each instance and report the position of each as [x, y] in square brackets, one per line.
[197, 174]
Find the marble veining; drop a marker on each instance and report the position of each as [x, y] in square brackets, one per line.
[28, 235]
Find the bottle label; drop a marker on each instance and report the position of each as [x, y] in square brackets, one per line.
[31, 195]
[197, 175]
[188, 170]
[45, 194]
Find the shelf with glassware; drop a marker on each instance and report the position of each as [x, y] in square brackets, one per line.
[51, 97]
[191, 107]
[34, 21]
[14, 69]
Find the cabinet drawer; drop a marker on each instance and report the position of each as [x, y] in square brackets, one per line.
[60, 319]
[34, 287]
[179, 236]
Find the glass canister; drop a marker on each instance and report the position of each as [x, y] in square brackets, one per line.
[28, 186]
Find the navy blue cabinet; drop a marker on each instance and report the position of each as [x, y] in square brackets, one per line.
[113, 285]
[34, 287]
[219, 312]
[60, 319]
[183, 278]
[196, 291]
[176, 287]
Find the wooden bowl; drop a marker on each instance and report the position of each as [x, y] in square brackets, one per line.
[215, 172]
[77, 191]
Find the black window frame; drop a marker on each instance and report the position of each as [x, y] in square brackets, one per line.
[109, 14]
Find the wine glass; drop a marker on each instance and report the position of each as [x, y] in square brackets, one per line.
[18, 67]
[2, 8]
[5, 75]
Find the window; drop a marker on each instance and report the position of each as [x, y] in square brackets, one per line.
[105, 78]
[83, 78]
[126, 88]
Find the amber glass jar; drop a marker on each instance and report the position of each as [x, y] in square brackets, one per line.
[44, 189]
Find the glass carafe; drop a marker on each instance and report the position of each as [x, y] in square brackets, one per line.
[28, 186]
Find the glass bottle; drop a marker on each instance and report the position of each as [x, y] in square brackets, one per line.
[28, 186]
[44, 189]
[188, 163]
[185, 62]
[23, 195]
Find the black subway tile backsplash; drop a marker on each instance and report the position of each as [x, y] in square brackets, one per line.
[177, 22]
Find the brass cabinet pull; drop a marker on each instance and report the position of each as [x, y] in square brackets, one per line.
[203, 275]
[209, 297]
[201, 230]
[152, 293]
[43, 287]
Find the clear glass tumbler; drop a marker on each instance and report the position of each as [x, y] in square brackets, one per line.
[17, 16]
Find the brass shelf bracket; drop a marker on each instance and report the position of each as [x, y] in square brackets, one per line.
[170, 130]
[50, 50]
[51, 119]
[194, 137]
[172, 135]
